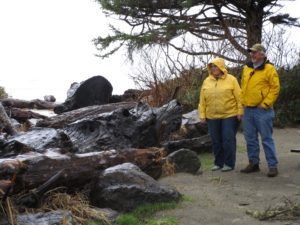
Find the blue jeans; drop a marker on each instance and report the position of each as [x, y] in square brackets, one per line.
[259, 120]
[223, 136]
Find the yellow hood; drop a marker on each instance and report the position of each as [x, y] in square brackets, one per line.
[220, 63]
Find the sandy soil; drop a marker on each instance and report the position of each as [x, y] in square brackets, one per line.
[222, 198]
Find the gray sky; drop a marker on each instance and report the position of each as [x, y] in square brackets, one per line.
[46, 45]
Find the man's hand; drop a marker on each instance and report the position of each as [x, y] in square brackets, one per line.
[240, 117]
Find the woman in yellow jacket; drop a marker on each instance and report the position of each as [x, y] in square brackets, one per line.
[220, 107]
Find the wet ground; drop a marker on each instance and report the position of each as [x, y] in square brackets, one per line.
[222, 198]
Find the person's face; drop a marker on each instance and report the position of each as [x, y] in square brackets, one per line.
[257, 56]
[215, 70]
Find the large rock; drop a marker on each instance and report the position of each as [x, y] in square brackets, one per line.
[184, 160]
[141, 127]
[96, 90]
[50, 218]
[124, 187]
[38, 140]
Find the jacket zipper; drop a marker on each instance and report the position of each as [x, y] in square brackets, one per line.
[250, 76]
[216, 95]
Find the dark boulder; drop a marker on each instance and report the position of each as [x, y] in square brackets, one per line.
[184, 160]
[96, 90]
[124, 187]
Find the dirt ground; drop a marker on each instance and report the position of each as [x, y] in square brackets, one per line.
[223, 197]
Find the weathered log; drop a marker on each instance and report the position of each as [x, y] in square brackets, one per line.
[140, 127]
[22, 104]
[62, 120]
[191, 126]
[199, 145]
[48, 218]
[80, 169]
[4, 185]
[5, 122]
[36, 140]
[96, 90]
[23, 115]
[33, 198]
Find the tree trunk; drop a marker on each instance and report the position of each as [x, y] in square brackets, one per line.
[254, 24]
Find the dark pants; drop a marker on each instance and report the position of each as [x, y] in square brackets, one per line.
[223, 136]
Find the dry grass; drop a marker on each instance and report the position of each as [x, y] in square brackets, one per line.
[168, 168]
[78, 204]
[7, 208]
[287, 210]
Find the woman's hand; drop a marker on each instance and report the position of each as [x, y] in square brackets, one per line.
[203, 121]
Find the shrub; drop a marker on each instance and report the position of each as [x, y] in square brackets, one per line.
[3, 93]
[287, 107]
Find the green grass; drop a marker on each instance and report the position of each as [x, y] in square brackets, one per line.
[143, 215]
[241, 148]
[187, 198]
[207, 161]
[95, 222]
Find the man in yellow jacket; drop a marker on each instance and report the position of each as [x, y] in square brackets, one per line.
[220, 107]
[260, 89]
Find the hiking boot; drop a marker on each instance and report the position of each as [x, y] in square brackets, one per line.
[226, 168]
[273, 172]
[216, 167]
[251, 168]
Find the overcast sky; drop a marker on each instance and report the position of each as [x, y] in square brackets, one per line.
[47, 45]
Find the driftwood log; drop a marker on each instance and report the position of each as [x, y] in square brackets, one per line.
[5, 122]
[62, 120]
[78, 169]
[23, 104]
[199, 144]
[22, 115]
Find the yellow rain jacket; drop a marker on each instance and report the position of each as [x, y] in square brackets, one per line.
[260, 86]
[219, 98]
